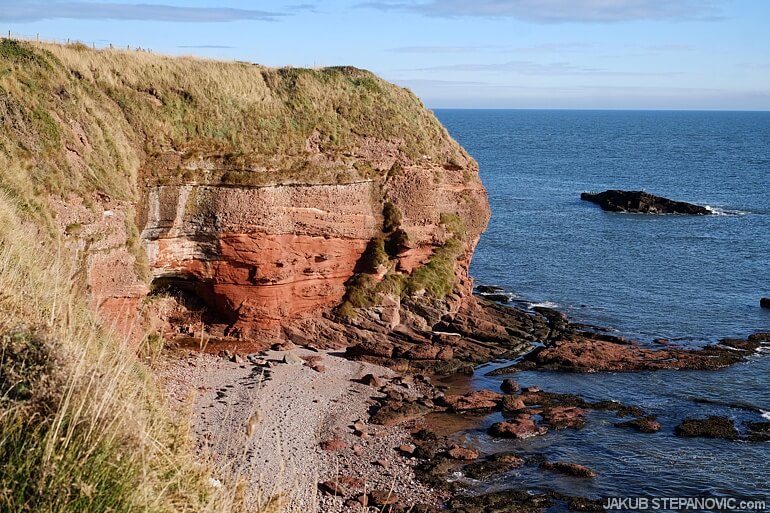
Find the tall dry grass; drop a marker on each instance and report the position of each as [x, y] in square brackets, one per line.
[82, 426]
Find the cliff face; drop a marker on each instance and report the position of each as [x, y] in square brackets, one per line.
[263, 255]
[263, 196]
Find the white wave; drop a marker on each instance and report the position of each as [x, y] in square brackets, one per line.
[545, 304]
[725, 212]
[766, 414]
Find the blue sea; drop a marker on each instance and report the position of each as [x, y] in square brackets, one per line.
[690, 279]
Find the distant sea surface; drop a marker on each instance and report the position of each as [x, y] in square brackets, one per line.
[690, 279]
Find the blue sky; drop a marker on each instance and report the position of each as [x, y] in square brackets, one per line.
[638, 54]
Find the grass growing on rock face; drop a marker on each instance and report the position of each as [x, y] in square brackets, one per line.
[437, 277]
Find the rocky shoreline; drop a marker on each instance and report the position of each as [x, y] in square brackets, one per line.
[385, 443]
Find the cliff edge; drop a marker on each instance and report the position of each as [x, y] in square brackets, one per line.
[234, 202]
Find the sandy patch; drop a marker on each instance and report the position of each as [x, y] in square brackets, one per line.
[263, 419]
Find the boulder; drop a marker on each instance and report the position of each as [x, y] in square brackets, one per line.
[711, 427]
[641, 202]
[642, 424]
[457, 452]
[509, 386]
[513, 403]
[495, 464]
[563, 417]
[522, 426]
[765, 302]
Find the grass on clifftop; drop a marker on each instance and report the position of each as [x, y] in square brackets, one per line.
[77, 119]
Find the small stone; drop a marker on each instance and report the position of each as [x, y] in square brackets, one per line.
[292, 359]
[383, 498]
[335, 487]
[359, 425]
[407, 448]
[227, 355]
[358, 449]
[373, 381]
[319, 368]
[383, 463]
[334, 444]
[363, 500]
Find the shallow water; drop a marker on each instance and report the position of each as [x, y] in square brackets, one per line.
[678, 277]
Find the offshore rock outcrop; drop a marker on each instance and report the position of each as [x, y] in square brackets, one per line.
[642, 203]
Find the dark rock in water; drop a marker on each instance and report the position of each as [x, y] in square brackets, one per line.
[765, 302]
[509, 386]
[758, 431]
[643, 425]
[564, 417]
[489, 289]
[500, 298]
[711, 427]
[493, 465]
[522, 426]
[570, 469]
[641, 202]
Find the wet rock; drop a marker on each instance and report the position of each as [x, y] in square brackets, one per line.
[758, 431]
[641, 202]
[479, 401]
[513, 403]
[493, 465]
[585, 353]
[510, 386]
[511, 501]
[489, 289]
[570, 469]
[711, 427]
[642, 424]
[764, 302]
[522, 426]
[463, 453]
[564, 417]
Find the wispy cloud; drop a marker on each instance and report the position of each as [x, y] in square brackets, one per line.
[557, 11]
[36, 10]
[439, 49]
[542, 48]
[542, 69]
